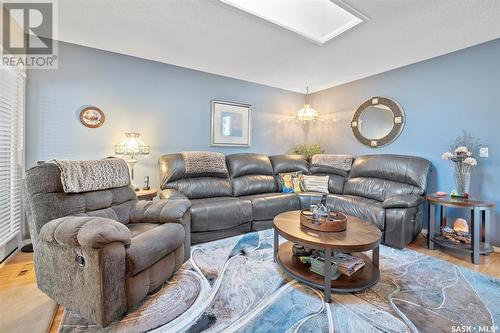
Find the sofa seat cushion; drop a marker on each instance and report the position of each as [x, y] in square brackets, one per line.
[151, 244]
[212, 214]
[366, 209]
[309, 198]
[267, 205]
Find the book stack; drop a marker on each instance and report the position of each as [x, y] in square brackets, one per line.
[347, 264]
[342, 263]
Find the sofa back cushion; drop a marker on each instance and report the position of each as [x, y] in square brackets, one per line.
[379, 177]
[194, 185]
[251, 174]
[289, 163]
[45, 199]
[378, 189]
[283, 164]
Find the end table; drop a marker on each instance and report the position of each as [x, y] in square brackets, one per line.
[482, 213]
[146, 194]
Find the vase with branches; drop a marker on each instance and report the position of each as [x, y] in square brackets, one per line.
[462, 157]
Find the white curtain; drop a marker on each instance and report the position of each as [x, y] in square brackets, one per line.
[12, 85]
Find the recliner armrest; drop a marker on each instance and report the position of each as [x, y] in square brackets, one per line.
[85, 231]
[403, 201]
[161, 211]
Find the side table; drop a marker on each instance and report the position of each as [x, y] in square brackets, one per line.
[482, 212]
[146, 194]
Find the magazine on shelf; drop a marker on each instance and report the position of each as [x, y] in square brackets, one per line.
[347, 264]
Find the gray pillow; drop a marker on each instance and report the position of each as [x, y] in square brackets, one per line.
[316, 183]
[336, 161]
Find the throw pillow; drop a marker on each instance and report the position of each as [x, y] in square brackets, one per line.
[291, 182]
[341, 162]
[316, 183]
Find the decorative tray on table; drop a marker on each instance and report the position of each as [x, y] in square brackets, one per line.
[333, 222]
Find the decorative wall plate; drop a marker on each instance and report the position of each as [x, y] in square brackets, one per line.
[92, 117]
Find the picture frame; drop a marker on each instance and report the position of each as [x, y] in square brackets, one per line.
[230, 124]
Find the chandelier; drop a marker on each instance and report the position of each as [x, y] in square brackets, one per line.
[307, 113]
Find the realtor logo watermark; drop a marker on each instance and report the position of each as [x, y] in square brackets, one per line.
[27, 34]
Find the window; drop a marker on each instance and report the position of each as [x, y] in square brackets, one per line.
[12, 81]
[318, 20]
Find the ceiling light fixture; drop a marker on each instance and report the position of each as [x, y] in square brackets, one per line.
[307, 113]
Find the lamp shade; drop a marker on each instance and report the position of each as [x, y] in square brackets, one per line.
[132, 145]
[307, 113]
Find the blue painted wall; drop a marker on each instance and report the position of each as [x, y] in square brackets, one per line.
[440, 97]
[168, 105]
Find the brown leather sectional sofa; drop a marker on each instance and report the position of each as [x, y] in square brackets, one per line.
[386, 190]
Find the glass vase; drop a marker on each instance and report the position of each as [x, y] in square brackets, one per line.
[462, 182]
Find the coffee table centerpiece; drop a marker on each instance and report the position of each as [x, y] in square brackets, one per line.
[358, 236]
[329, 221]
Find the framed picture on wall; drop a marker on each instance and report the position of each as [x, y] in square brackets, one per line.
[231, 125]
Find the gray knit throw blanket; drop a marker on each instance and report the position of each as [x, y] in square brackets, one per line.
[93, 175]
[204, 163]
[341, 162]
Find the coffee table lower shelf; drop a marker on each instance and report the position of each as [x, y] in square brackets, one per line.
[366, 277]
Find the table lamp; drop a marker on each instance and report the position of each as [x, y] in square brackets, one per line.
[132, 146]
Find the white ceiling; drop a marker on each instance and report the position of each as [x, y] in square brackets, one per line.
[211, 36]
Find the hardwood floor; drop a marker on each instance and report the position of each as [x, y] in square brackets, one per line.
[57, 319]
[18, 270]
[489, 265]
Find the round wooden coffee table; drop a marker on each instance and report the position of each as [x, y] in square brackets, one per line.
[358, 237]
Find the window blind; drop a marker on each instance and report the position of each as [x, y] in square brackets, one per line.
[12, 81]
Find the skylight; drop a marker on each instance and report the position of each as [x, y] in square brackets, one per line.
[317, 20]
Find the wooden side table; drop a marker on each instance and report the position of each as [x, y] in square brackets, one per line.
[147, 194]
[482, 213]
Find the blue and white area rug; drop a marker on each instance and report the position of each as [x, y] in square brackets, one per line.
[233, 285]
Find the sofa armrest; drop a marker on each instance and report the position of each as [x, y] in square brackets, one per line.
[164, 210]
[403, 201]
[85, 231]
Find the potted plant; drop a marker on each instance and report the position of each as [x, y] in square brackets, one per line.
[308, 150]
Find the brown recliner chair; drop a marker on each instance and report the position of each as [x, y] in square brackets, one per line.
[101, 253]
